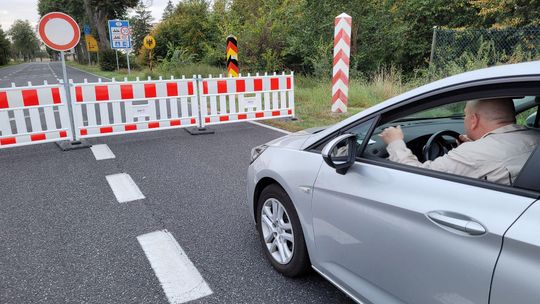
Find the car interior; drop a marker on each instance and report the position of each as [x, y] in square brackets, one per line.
[433, 132]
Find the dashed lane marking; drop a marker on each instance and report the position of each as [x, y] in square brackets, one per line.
[124, 188]
[102, 152]
[179, 278]
[52, 71]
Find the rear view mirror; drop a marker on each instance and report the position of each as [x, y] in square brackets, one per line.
[340, 152]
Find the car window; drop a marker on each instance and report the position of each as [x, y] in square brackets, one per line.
[361, 130]
[422, 148]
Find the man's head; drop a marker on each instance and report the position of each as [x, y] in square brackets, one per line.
[485, 115]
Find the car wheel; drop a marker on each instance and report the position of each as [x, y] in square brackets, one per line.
[280, 232]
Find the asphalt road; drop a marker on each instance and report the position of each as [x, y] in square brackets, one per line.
[65, 238]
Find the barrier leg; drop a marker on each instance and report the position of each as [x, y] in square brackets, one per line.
[200, 129]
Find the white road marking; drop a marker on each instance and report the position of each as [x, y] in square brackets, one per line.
[102, 152]
[124, 188]
[179, 278]
[54, 74]
[270, 127]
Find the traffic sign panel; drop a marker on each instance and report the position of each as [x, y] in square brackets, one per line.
[59, 31]
[119, 34]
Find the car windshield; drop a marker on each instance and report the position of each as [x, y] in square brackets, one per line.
[448, 110]
[456, 110]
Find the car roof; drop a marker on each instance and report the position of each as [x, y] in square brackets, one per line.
[502, 71]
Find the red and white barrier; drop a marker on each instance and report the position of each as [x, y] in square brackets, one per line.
[111, 108]
[37, 114]
[33, 114]
[233, 99]
[340, 74]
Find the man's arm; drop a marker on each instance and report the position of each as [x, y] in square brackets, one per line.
[457, 161]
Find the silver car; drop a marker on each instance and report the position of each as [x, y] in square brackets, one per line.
[383, 232]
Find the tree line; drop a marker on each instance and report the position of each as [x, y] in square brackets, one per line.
[275, 35]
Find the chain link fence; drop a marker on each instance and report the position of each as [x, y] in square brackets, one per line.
[454, 51]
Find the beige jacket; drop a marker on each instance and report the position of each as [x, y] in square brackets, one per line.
[496, 157]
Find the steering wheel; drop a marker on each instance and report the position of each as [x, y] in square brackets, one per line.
[436, 146]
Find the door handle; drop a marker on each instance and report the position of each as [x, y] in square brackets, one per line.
[457, 222]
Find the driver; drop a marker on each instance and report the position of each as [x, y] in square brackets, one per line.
[494, 148]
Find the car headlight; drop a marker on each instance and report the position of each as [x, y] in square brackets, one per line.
[257, 151]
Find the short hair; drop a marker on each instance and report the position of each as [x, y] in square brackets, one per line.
[497, 110]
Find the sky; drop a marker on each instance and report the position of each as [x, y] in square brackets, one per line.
[11, 10]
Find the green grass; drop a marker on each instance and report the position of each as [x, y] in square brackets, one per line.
[119, 75]
[313, 96]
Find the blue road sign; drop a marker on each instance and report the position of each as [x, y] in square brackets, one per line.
[119, 34]
[86, 29]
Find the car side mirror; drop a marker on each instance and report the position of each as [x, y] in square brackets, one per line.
[340, 152]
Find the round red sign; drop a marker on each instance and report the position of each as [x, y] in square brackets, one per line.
[59, 31]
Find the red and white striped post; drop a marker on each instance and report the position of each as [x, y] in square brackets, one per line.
[342, 53]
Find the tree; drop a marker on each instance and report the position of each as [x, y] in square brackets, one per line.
[5, 48]
[25, 42]
[141, 25]
[99, 12]
[188, 28]
[169, 10]
[508, 13]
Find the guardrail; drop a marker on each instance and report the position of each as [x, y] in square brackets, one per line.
[39, 114]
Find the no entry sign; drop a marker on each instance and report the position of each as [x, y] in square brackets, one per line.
[59, 31]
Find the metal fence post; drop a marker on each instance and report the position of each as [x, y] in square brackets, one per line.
[433, 44]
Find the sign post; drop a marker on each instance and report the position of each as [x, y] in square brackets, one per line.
[86, 30]
[61, 33]
[120, 36]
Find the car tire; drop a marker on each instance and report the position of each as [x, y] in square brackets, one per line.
[289, 258]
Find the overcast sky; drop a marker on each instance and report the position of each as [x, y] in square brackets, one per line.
[11, 10]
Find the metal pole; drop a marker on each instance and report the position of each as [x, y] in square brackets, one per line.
[87, 51]
[68, 96]
[433, 43]
[117, 63]
[97, 55]
[127, 55]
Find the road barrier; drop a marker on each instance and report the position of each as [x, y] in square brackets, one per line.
[39, 114]
[33, 114]
[226, 100]
[111, 108]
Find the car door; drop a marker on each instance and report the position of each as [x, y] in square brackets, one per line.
[517, 274]
[389, 233]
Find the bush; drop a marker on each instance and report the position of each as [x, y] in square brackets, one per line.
[107, 60]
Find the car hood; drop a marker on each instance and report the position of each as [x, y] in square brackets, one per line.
[294, 140]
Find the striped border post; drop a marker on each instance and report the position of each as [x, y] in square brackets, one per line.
[232, 56]
[340, 74]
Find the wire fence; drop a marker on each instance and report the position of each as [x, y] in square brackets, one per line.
[455, 50]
